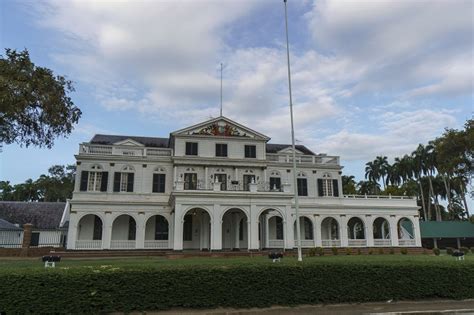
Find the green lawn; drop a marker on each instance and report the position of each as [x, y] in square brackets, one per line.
[29, 264]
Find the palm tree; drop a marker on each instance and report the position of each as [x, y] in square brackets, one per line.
[418, 158]
[349, 185]
[383, 167]
[367, 187]
[372, 172]
[430, 165]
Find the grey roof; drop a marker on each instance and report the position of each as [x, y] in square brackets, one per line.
[5, 225]
[43, 215]
[146, 141]
[275, 148]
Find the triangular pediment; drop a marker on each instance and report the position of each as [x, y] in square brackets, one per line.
[129, 142]
[221, 127]
[289, 150]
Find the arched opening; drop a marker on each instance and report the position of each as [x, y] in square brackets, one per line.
[197, 229]
[124, 231]
[157, 232]
[381, 232]
[271, 229]
[234, 230]
[356, 232]
[89, 232]
[306, 232]
[406, 232]
[330, 235]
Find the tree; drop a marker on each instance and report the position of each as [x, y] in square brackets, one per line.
[383, 168]
[34, 104]
[348, 185]
[372, 173]
[418, 159]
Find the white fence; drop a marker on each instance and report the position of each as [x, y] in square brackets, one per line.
[11, 238]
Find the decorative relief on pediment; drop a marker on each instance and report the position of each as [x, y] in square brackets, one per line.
[221, 129]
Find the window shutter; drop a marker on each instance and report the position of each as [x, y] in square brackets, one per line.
[335, 188]
[162, 182]
[305, 187]
[105, 179]
[320, 187]
[130, 182]
[155, 183]
[84, 180]
[117, 181]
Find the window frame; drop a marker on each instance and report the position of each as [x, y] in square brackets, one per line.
[223, 151]
[192, 150]
[247, 148]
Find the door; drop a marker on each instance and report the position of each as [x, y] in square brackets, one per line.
[221, 178]
[34, 239]
[190, 181]
[247, 180]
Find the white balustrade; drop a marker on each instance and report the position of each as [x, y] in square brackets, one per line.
[93, 149]
[357, 243]
[157, 244]
[331, 243]
[406, 242]
[305, 243]
[382, 242]
[89, 244]
[122, 244]
[276, 244]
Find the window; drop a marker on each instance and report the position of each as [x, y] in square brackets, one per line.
[275, 183]
[221, 178]
[159, 183]
[279, 228]
[188, 228]
[191, 148]
[95, 181]
[161, 228]
[97, 233]
[247, 180]
[123, 182]
[132, 229]
[221, 149]
[328, 187]
[190, 181]
[302, 187]
[250, 151]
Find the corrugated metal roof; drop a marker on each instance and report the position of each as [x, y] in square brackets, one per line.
[42, 215]
[446, 229]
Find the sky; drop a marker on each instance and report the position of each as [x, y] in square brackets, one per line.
[369, 77]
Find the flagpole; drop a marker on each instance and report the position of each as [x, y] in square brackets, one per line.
[295, 182]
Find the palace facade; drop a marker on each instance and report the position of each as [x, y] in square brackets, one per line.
[219, 185]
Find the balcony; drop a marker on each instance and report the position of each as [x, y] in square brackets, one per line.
[304, 159]
[113, 150]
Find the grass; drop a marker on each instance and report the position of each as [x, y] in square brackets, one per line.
[28, 265]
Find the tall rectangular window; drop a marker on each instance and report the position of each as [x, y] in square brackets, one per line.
[302, 187]
[188, 228]
[159, 183]
[97, 232]
[327, 187]
[279, 228]
[95, 181]
[275, 183]
[161, 228]
[190, 181]
[247, 180]
[123, 182]
[191, 148]
[222, 178]
[221, 149]
[250, 151]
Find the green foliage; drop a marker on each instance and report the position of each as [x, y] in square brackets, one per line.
[348, 185]
[436, 251]
[348, 251]
[465, 250]
[312, 252]
[449, 250]
[371, 251]
[359, 252]
[404, 251]
[58, 185]
[319, 251]
[104, 289]
[392, 251]
[381, 252]
[35, 106]
[334, 251]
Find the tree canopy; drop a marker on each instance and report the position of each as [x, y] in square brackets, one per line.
[35, 107]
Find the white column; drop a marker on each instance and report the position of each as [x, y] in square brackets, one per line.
[236, 174]
[253, 229]
[344, 235]
[267, 234]
[394, 230]
[206, 175]
[369, 231]
[140, 234]
[216, 228]
[107, 230]
[416, 231]
[170, 230]
[178, 228]
[317, 231]
[72, 231]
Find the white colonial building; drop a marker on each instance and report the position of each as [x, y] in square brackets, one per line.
[218, 186]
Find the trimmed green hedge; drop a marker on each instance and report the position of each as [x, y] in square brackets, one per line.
[89, 290]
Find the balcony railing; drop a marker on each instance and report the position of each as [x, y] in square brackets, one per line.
[89, 244]
[95, 149]
[276, 243]
[409, 242]
[382, 242]
[303, 159]
[156, 244]
[331, 243]
[122, 244]
[357, 243]
[305, 243]
[378, 197]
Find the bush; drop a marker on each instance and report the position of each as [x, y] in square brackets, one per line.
[436, 251]
[381, 251]
[449, 250]
[133, 289]
[319, 251]
[312, 252]
[392, 251]
[465, 250]
[334, 251]
[348, 251]
[371, 251]
[359, 252]
[404, 251]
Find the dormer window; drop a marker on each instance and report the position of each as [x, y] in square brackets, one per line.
[250, 151]
[191, 148]
[221, 149]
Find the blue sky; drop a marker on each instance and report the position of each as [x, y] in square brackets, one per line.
[369, 77]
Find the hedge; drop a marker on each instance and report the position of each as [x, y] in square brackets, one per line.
[100, 290]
